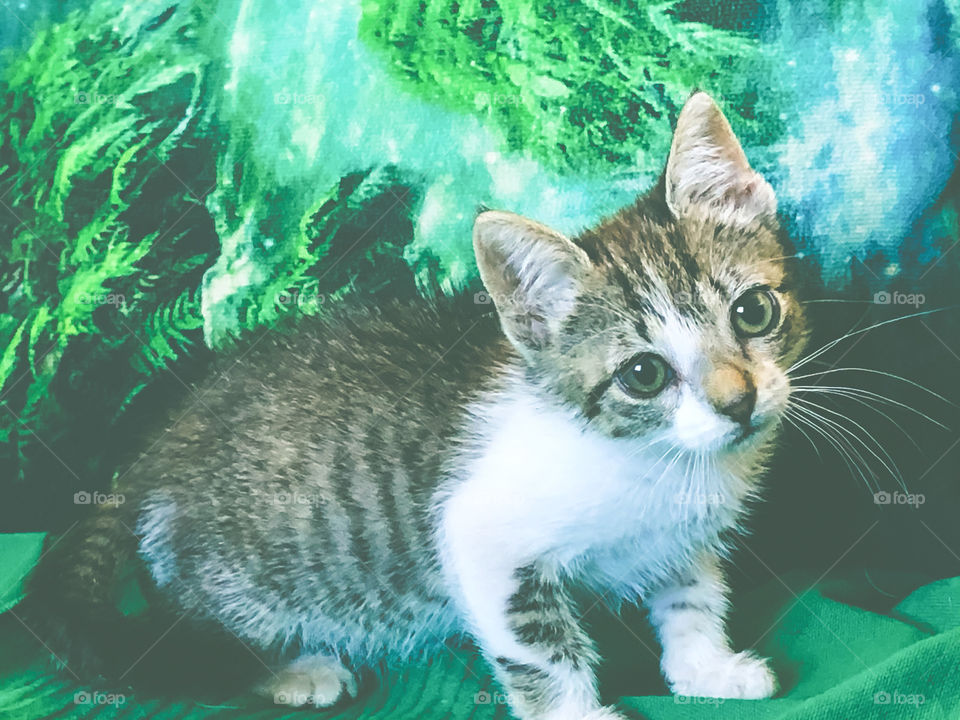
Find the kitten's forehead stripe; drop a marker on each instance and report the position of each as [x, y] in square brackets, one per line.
[592, 408]
[651, 267]
[720, 288]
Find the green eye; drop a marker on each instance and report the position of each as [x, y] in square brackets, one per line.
[755, 313]
[644, 375]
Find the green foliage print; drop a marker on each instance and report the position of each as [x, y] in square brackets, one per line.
[103, 169]
[127, 207]
[579, 85]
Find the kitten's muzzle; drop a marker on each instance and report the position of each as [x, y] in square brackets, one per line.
[740, 410]
[732, 393]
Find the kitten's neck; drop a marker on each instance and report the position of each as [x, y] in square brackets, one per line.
[532, 460]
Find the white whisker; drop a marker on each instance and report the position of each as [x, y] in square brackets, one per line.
[891, 467]
[841, 448]
[824, 348]
[884, 373]
[794, 423]
[851, 395]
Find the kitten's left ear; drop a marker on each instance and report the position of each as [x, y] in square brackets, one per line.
[707, 170]
[532, 273]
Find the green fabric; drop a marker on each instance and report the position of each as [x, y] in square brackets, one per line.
[835, 661]
[18, 553]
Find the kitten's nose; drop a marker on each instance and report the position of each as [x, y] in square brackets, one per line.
[741, 408]
[732, 393]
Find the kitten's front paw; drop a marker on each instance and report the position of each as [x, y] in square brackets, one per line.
[312, 680]
[740, 675]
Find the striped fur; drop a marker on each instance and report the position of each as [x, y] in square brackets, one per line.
[372, 483]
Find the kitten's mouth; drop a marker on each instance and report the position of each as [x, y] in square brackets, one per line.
[748, 431]
[755, 428]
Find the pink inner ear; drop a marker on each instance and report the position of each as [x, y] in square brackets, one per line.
[742, 196]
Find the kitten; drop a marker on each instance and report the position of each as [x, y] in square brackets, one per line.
[390, 476]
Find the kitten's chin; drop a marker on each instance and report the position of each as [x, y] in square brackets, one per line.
[736, 439]
[758, 433]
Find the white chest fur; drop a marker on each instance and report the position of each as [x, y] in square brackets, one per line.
[542, 487]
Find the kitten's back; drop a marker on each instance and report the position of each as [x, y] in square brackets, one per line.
[293, 487]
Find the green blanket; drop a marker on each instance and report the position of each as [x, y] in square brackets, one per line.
[834, 659]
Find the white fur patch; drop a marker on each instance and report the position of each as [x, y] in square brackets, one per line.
[540, 486]
[698, 426]
[315, 680]
[155, 529]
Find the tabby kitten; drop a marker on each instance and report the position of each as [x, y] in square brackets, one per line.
[390, 476]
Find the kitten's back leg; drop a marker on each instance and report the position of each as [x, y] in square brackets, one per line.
[318, 680]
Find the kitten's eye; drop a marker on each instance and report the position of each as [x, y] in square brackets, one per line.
[644, 375]
[755, 313]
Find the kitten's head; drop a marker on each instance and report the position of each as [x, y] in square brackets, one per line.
[676, 317]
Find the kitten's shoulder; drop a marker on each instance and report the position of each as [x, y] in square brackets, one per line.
[424, 351]
[390, 331]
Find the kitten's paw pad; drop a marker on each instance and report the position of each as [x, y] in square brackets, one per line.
[740, 675]
[313, 680]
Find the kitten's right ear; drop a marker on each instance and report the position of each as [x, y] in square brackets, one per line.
[532, 274]
[708, 172]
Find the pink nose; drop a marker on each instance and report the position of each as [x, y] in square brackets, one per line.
[741, 408]
[731, 392]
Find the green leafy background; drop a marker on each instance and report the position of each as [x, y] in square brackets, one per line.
[175, 175]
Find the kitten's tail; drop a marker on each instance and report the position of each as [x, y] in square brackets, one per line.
[72, 607]
[72, 593]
